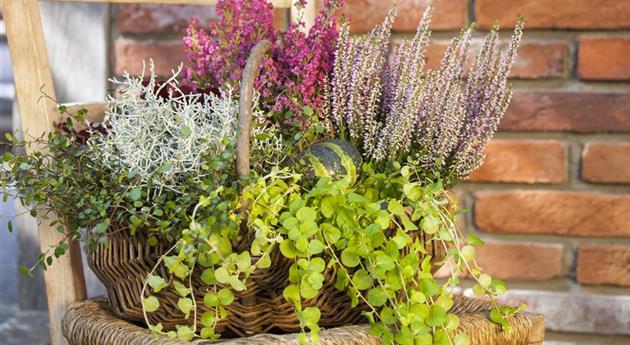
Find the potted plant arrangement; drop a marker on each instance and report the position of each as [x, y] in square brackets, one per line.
[287, 181]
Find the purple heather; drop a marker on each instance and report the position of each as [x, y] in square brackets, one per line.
[392, 109]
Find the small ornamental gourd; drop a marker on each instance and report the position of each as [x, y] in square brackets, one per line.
[334, 159]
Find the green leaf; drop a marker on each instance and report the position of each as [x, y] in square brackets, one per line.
[332, 233]
[497, 317]
[377, 297]
[317, 265]
[134, 194]
[444, 301]
[401, 240]
[185, 305]
[25, 270]
[423, 339]
[418, 297]
[498, 286]
[384, 262]
[292, 293]
[306, 214]
[207, 277]
[243, 261]
[412, 191]
[185, 333]
[395, 207]
[349, 258]
[362, 280]
[207, 333]
[157, 283]
[437, 316]
[474, 241]
[311, 315]
[315, 247]
[225, 296]
[428, 287]
[181, 289]
[430, 224]
[211, 299]
[452, 322]
[290, 222]
[478, 290]
[441, 338]
[100, 228]
[222, 276]
[237, 284]
[387, 316]
[485, 280]
[150, 304]
[468, 252]
[327, 207]
[207, 319]
[288, 249]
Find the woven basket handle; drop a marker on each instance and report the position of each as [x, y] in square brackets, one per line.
[246, 104]
[245, 125]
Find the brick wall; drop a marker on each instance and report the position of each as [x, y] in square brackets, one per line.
[553, 197]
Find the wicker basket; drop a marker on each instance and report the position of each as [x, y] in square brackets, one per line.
[123, 265]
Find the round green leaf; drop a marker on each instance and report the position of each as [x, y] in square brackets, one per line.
[362, 280]
[222, 275]
[377, 297]
[437, 316]
[211, 299]
[349, 258]
[207, 319]
[151, 304]
[225, 296]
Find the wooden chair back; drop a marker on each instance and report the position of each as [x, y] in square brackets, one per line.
[65, 282]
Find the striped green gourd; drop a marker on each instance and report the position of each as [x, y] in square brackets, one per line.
[334, 159]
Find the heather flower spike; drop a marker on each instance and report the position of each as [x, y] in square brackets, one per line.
[395, 110]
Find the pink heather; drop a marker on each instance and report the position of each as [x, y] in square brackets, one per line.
[295, 76]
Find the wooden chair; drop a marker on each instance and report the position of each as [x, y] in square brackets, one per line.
[64, 280]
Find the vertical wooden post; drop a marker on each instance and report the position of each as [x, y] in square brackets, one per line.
[31, 71]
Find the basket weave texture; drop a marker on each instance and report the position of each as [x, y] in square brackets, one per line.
[93, 322]
[125, 262]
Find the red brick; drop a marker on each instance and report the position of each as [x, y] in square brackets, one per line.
[130, 54]
[553, 212]
[523, 161]
[604, 58]
[152, 18]
[603, 264]
[606, 163]
[536, 59]
[555, 14]
[365, 14]
[581, 112]
[521, 261]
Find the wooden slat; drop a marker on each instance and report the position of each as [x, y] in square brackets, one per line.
[31, 72]
[276, 3]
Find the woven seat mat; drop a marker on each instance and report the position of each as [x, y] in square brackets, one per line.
[91, 322]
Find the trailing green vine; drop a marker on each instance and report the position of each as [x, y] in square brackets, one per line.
[369, 233]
